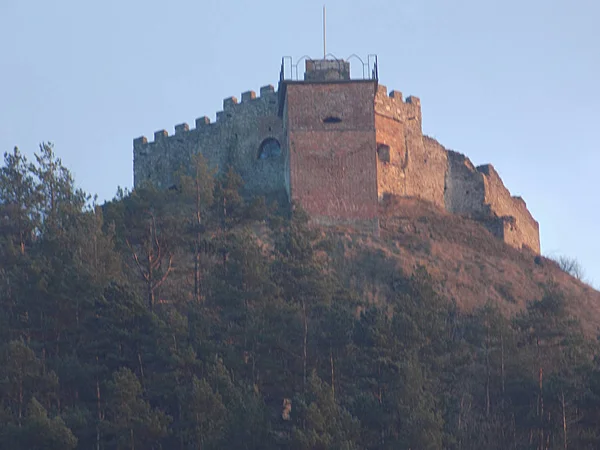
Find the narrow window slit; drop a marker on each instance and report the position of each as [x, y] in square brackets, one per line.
[332, 119]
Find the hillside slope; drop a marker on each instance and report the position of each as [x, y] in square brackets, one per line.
[194, 318]
[467, 263]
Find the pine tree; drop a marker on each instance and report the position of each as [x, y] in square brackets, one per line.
[39, 432]
[197, 188]
[130, 420]
[19, 205]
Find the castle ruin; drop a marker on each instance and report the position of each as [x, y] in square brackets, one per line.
[338, 146]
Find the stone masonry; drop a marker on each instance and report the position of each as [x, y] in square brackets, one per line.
[337, 146]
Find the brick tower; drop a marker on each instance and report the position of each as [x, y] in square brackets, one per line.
[330, 142]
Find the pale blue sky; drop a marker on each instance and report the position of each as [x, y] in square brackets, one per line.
[515, 83]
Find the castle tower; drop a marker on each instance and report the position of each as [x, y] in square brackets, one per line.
[330, 138]
[337, 146]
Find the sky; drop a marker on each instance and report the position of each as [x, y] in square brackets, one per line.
[513, 83]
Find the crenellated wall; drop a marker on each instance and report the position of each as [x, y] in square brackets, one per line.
[344, 145]
[233, 140]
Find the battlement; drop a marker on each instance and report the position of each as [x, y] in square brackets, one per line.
[395, 107]
[382, 92]
[181, 128]
[231, 107]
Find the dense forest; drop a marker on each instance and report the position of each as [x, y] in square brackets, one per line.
[195, 318]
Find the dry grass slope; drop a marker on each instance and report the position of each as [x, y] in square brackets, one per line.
[467, 263]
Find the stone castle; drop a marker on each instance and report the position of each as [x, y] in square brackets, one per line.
[339, 146]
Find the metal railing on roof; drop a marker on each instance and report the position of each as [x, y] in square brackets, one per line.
[294, 71]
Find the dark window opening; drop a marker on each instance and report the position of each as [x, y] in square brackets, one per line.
[269, 148]
[383, 153]
[332, 119]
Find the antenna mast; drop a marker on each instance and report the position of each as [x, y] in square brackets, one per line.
[324, 32]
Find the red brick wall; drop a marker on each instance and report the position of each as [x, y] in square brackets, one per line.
[333, 167]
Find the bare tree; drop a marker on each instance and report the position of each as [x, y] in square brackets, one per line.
[571, 266]
[150, 256]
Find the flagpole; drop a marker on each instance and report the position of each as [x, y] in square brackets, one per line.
[324, 32]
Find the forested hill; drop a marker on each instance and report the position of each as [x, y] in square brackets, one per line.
[196, 319]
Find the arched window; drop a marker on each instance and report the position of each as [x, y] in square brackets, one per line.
[270, 148]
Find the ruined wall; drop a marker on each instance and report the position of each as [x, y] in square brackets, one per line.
[331, 142]
[432, 171]
[480, 193]
[234, 139]
[524, 230]
[465, 189]
[416, 166]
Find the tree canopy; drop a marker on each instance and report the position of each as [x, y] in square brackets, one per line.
[200, 318]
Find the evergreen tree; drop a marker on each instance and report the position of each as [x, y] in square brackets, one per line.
[203, 419]
[321, 423]
[130, 421]
[22, 377]
[19, 206]
[197, 187]
[39, 432]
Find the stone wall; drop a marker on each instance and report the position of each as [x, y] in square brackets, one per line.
[343, 145]
[465, 188]
[391, 171]
[524, 229]
[416, 166]
[326, 70]
[233, 140]
[479, 192]
[331, 142]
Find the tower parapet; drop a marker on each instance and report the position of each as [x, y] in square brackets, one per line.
[393, 106]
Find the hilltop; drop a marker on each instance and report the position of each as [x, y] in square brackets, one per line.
[197, 317]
